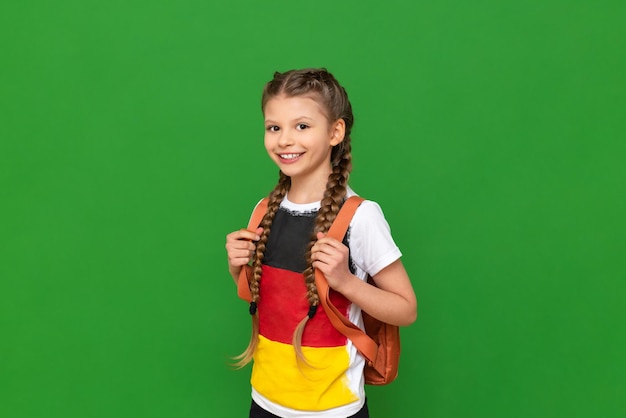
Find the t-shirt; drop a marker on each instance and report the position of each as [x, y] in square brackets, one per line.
[332, 385]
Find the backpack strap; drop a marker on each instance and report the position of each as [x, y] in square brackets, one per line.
[366, 346]
[245, 275]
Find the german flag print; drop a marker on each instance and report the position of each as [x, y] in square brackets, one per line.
[277, 375]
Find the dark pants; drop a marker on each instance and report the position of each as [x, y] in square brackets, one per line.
[257, 412]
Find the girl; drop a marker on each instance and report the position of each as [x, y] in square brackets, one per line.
[303, 367]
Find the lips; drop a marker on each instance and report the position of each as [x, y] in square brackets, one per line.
[290, 158]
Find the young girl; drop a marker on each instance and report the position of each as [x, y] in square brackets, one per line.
[303, 367]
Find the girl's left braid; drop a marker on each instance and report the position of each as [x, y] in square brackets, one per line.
[334, 196]
[275, 198]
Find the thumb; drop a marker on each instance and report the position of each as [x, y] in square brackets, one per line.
[320, 235]
[259, 231]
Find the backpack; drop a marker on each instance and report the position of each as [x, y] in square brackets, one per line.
[380, 343]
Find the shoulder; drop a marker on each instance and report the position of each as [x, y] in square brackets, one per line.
[369, 220]
[261, 205]
[257, 213]
[368, 210]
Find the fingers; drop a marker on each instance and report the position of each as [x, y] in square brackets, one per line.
[245, 234]
[240, 246]
[328, 250]
[327, 245]
[330, 257]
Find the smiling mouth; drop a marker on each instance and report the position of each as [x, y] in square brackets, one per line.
[289, 157]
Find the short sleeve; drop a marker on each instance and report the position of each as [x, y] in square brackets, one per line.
[372, 247]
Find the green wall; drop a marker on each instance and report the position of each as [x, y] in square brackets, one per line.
[491, 133]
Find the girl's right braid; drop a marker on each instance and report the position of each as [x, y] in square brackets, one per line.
[275, 198]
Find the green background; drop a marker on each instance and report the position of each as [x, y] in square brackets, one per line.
[491, 133]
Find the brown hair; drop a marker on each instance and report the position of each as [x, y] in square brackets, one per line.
[321, 86]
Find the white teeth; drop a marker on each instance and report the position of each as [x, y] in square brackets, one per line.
[289, 156]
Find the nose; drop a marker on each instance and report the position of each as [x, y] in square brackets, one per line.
[285, 139]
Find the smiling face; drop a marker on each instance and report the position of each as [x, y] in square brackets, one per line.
[299, 138]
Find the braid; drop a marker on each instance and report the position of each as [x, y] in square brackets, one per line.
[334, 196]
[275, 197]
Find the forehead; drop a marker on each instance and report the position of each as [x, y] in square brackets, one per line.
[291, 107]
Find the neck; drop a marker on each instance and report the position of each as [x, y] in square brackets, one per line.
[307, 189]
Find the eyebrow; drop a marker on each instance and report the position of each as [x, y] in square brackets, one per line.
[295, 119]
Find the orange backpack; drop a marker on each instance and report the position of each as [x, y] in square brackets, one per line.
[380, 343]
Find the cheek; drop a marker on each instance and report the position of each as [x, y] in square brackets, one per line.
[269, 144]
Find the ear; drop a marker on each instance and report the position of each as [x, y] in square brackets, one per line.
[337, 132]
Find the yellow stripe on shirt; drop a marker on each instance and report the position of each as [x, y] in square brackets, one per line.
[279, 377]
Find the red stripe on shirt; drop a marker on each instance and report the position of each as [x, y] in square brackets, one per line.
[283, 304]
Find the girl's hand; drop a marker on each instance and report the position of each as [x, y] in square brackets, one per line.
[331, 258]
[240, 246]
[392, 300]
